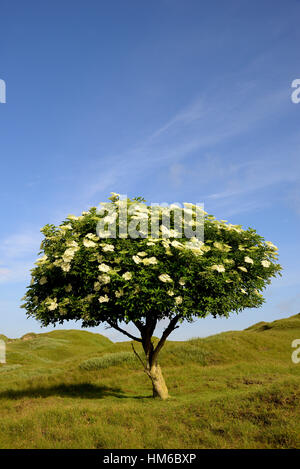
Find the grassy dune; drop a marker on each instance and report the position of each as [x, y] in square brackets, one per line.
[77, 389]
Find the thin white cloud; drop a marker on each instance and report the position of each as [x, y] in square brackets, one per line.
[17, 254]
[207, 122]
[19, 244]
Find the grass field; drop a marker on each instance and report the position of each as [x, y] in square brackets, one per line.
[76, 389]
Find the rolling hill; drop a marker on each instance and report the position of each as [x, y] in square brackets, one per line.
[77, 389]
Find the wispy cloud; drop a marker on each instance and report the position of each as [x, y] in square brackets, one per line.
[208, 122]
[17, 254]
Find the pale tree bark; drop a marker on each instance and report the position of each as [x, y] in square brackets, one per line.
[158, 382]
[152, 367]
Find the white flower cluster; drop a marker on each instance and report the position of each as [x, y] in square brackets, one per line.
[104, 268]
[141, 258]
[165, 278]
[127, 276]
[108, 247]
[42, 260]
[51, 304]
[248, 260]
[103, 299]
[218, 267]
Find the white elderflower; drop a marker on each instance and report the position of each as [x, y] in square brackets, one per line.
[69, 254]
[108, 248]
[97, 286]
[115, 195]
[52, 304]
[68, 288]
[105, 279]
[92, 236]
[136, 259]
[181, 281]
[104, 268]
[248, 260]
[72, 244]
[218, 267]
[265, 263]
[66, 267]
[58, 262]
[88, 243]
[243, 269]
[41, 260]
[178, 300]
[43, 280]
[150, 261]
[170, 293]
[103, 299]
[65, 227]
[119, 293]
[271, 245]
[176, 244]
[127, 276]
[165, 278]
[142, 254]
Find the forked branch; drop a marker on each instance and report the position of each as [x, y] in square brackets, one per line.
[166, 333]
[115, 326]
[144, 366]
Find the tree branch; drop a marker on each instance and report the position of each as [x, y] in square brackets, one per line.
[138, 324]
[166, 333]
[115, 326]
[151, 324]
[144, 366]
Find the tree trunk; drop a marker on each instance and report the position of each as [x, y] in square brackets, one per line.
[158, 383]
[152, 367]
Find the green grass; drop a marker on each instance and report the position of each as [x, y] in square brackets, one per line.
[107, 360]
[76, 389]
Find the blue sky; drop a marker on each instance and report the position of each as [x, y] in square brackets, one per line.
[172, 100]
